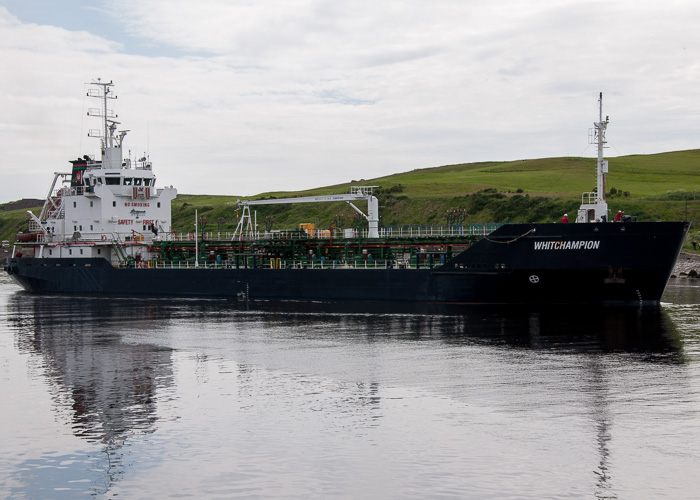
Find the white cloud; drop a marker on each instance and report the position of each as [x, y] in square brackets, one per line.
[272, 95]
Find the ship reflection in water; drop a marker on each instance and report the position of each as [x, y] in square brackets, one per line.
[235, 389]
[103, 389]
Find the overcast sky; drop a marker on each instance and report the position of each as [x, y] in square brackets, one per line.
[239, 97]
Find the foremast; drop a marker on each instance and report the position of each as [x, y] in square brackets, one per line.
[594, 206]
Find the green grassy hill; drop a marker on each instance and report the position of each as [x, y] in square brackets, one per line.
[653, 187]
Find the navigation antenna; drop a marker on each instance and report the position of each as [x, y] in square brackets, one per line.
[602, 169]
[111, 140]
[593, 207]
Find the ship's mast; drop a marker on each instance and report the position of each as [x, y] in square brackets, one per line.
[594, 207]
[111, 141]
[600, 127]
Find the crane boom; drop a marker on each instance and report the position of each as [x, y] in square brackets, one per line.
[357, 193]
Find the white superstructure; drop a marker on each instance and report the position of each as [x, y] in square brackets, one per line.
[109, 207]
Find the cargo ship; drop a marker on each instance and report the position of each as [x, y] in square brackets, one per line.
[105, 229]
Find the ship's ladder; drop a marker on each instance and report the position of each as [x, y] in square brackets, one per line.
[119, 250]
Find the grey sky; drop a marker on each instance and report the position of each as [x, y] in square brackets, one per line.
[241, 97]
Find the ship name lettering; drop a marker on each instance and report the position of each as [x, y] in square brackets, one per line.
[567, 245]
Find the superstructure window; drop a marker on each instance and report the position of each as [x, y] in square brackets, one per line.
[147, 182]
[112, 181]
[138, 182]
[114, 203]
[128, 181]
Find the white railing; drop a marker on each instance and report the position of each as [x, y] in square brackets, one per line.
[408, 231]
[389, 232]
[275, 264]
[590, 198]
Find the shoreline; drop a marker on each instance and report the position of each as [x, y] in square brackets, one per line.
[687, 262]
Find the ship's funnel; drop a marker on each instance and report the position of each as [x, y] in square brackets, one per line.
[79, 167]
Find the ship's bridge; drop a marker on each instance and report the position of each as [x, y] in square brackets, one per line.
[87, 174]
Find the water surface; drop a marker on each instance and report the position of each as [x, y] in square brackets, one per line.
[146, 398]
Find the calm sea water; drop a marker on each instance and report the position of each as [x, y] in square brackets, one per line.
[155, 398]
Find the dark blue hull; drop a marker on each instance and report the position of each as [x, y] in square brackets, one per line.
[618, 264]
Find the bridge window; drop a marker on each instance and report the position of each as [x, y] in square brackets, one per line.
[128, 181]
[138, 182]
[112, 181]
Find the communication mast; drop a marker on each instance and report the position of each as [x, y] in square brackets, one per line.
[594, 206]
[111, 141]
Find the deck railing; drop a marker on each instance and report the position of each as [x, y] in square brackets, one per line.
[274, 264]
[388, 232]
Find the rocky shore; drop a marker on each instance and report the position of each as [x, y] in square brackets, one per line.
[688, 265]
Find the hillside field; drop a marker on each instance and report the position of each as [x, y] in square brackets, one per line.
[652, 187]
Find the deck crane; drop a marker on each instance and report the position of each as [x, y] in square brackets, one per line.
[357, 193]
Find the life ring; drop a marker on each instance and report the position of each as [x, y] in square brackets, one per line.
[104, 237]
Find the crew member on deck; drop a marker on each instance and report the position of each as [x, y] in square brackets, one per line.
[565, 219]
[618, 216]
